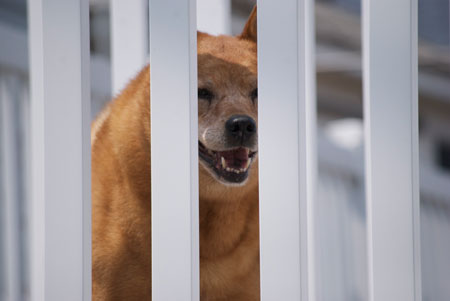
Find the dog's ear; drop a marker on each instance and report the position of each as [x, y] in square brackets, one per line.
[250, 31]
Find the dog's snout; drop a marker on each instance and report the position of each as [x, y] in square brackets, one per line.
[240, 128]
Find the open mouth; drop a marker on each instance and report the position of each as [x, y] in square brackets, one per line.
[229, 166]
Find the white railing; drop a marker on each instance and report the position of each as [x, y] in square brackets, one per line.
[173, 59]
[391, 132]
[60, 128]
[61, 246]
[286, 121]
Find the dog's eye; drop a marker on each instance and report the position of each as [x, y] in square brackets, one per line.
[254, 94]
[205, 94]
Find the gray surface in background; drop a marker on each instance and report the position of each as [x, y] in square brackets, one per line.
[14, 12]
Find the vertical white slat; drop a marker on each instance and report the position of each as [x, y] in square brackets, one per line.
[11, 197]
[60, 128]
[214, 16]
[174, 150]
[129, 40]
[391, 129]
[287, 163]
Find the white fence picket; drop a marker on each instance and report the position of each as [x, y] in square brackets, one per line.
[61, 182]
[175, 237]
[287, 165]
[391, 118]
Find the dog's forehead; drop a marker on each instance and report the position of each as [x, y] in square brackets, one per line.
[222, 50]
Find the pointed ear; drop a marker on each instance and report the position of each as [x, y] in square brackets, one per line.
[250, 31]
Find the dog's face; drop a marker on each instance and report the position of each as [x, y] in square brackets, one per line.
[227, 108]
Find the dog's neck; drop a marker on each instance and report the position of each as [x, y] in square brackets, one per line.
[225, 224]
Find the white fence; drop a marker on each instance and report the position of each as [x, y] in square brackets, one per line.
[391, 124]
[341, 270]
[61, 240]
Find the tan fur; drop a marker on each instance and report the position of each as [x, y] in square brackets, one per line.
[229, 240]
[99, 123]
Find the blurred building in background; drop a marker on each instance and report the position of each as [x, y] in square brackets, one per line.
[340, 207]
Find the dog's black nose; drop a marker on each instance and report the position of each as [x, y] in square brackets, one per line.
[240, 128]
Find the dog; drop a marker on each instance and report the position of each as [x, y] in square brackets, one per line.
[228, 178]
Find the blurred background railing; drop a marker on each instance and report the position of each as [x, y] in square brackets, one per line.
[340, 221]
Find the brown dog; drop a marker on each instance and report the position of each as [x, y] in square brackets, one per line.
[228, 178]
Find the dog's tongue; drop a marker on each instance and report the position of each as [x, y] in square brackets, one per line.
[236, 157]
[239, 153]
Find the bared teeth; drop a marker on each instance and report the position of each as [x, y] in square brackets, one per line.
[235, 170]
[249, 160]
[224, 162]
